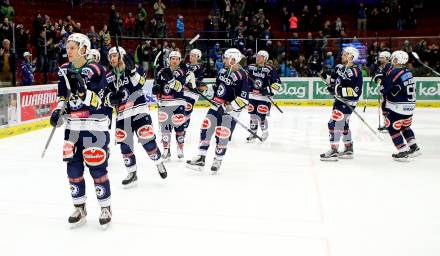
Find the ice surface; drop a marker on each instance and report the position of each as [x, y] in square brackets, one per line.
[275, 198]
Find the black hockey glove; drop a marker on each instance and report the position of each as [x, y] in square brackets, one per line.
[56, 118]
[77, 83]
[114, 98]
[378, 78]
[267, 91]
[331, 90]
[130, 66]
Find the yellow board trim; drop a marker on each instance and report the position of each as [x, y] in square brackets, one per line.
[24, 128]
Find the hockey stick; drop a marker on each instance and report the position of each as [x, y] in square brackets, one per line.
[416, 56]
[268, 96]
[356, 113]
[60, 114]
[235, 119]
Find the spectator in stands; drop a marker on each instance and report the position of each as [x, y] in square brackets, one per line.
[161, 28]
[407, 47]
[180, 26]
[105, 48]
[293, 23]
[317, 18]
[329, 62]
[94, 43]
[295, 46]
[339, 29]
[27, 70]
[6, 10]
[141, 19]
[305, 18]
[7, 64]
[130, 24]
[309, 45]
[315, 64]
[92, 33]
[143, 55]
[104, 33]
[62, 53]
[159, 9]
[362, 17]
[38, 24]
[112, 19]
[6, 29]
[285, 19]
[42, 44]
[22, 39]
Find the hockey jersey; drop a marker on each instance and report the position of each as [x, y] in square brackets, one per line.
[230, 85]
[347, 83]
[133, 101]
[86, 114]
[198, 73]
[261, 79]
[399, 91]
[166, 95]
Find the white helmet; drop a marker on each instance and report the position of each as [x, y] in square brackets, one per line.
[174, 54]
[385, 54]
[95, 53]
[263, 53]
[196, 52]
[353, 52]
[233, 53]
[401, 57]
[82, 40]
[113, 50]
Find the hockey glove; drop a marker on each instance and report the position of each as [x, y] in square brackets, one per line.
[190, 80]
[56, 118]
[130, 67]
[267, 91]
[239, 103]
[114, 98]
[325, 76]
[176, 85]
[276, 87]
[77, 83]
[331, 90]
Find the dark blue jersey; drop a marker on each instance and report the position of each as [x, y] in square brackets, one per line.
[86, 112]
[383, 70]
[399, 86]
[198, 71]
[133, 101]
[163, 86]
[347, 82]
[230, 85]
[261, 77]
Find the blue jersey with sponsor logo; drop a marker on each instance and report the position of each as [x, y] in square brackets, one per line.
[198, 71]
[399, 86]
[383, 70]
[261, 77]
[132, 90]
[347, 81]
[86, 113]
[164, 81]
[230, 85]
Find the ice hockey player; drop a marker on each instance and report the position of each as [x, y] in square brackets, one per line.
[264, 80]
[382, 69]
[81, 87]
[168, 89]
[345, 84]
[189, 95]
[125, 93]
[231, 96]
[399, 92]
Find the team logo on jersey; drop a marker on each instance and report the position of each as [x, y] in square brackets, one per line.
[146, 132]
[222, 132]
[337, 115]
[100, 191]
[178, 119]
[163, 116]
[206, 124]
[120, 135]
[75, 102]
[166, 89]
[94, 156]
[74, 190]
[88, 72]
[221, 90]
[258, 84]
[188, 106]
[250, 108]
[68, 149]
[263, 109]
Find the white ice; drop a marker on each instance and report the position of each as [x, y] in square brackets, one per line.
[275, 198]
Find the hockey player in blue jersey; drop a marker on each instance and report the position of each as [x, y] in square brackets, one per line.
[399, 93]
[345, 84]
[81, 86]
[168, 89]
[231, 96]
[125, 93]
[379, 73]
[264, 81]
[194, 72]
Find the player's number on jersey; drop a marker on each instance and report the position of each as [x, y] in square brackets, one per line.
[411, 91]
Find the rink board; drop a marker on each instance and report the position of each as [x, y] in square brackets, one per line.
[24, 109]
